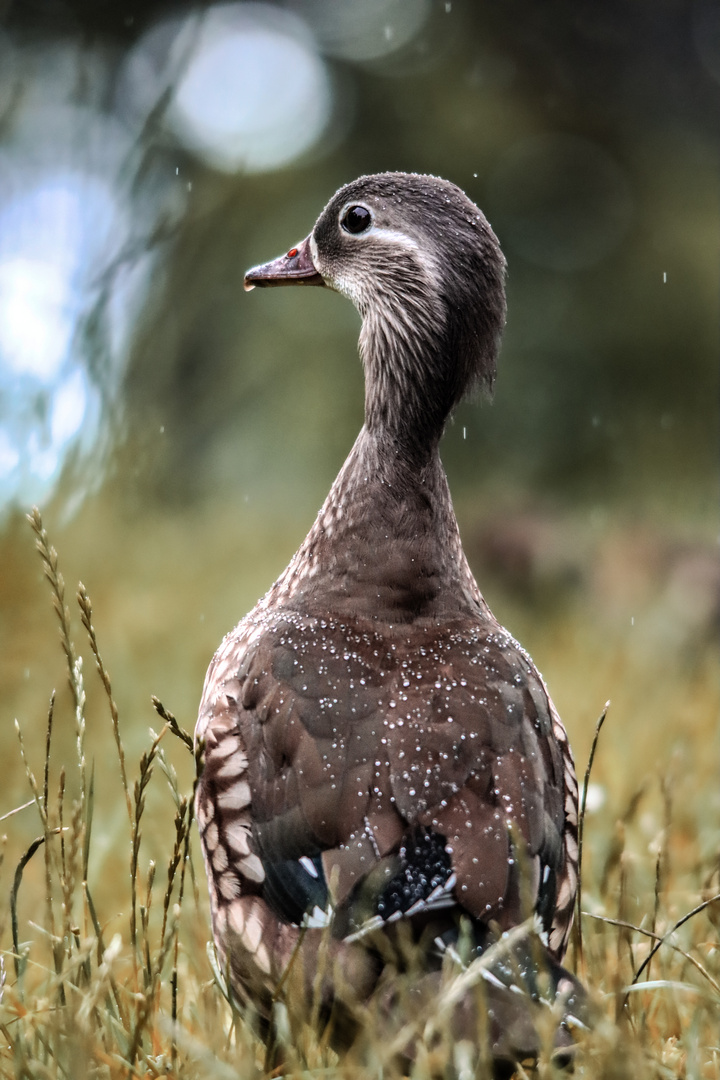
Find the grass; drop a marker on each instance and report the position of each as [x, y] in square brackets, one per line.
[104, 966]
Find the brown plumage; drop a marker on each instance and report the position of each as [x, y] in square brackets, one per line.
[378, 749]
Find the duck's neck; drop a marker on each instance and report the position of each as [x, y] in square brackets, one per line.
[385, 544]
[409, 356]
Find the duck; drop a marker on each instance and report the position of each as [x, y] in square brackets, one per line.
[383, 768]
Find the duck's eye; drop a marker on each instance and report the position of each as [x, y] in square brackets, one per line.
[356, 219]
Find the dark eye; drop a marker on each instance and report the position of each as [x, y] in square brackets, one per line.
[356, 219]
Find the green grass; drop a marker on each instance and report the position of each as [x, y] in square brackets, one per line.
[105, 970]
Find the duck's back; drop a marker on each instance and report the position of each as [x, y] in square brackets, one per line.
[358, 772]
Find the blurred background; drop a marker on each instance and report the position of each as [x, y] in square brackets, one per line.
[180, 435]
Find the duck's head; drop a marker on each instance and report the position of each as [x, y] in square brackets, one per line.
[425, 270]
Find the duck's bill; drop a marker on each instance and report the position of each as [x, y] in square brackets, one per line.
[294, 268]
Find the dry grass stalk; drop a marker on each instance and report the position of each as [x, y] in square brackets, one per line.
[86, 616]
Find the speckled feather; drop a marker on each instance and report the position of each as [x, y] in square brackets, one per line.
[377, 746]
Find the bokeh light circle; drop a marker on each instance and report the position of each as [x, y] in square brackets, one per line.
[249, 89]
[64, 220]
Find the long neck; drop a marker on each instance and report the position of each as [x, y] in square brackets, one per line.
[385, 544]
[405, 349]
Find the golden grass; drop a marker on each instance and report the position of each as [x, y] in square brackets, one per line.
[104, 966]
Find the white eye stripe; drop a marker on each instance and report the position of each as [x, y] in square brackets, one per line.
[396, 237]
[393, 235]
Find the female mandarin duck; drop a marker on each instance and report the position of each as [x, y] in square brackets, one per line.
[379, 751]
